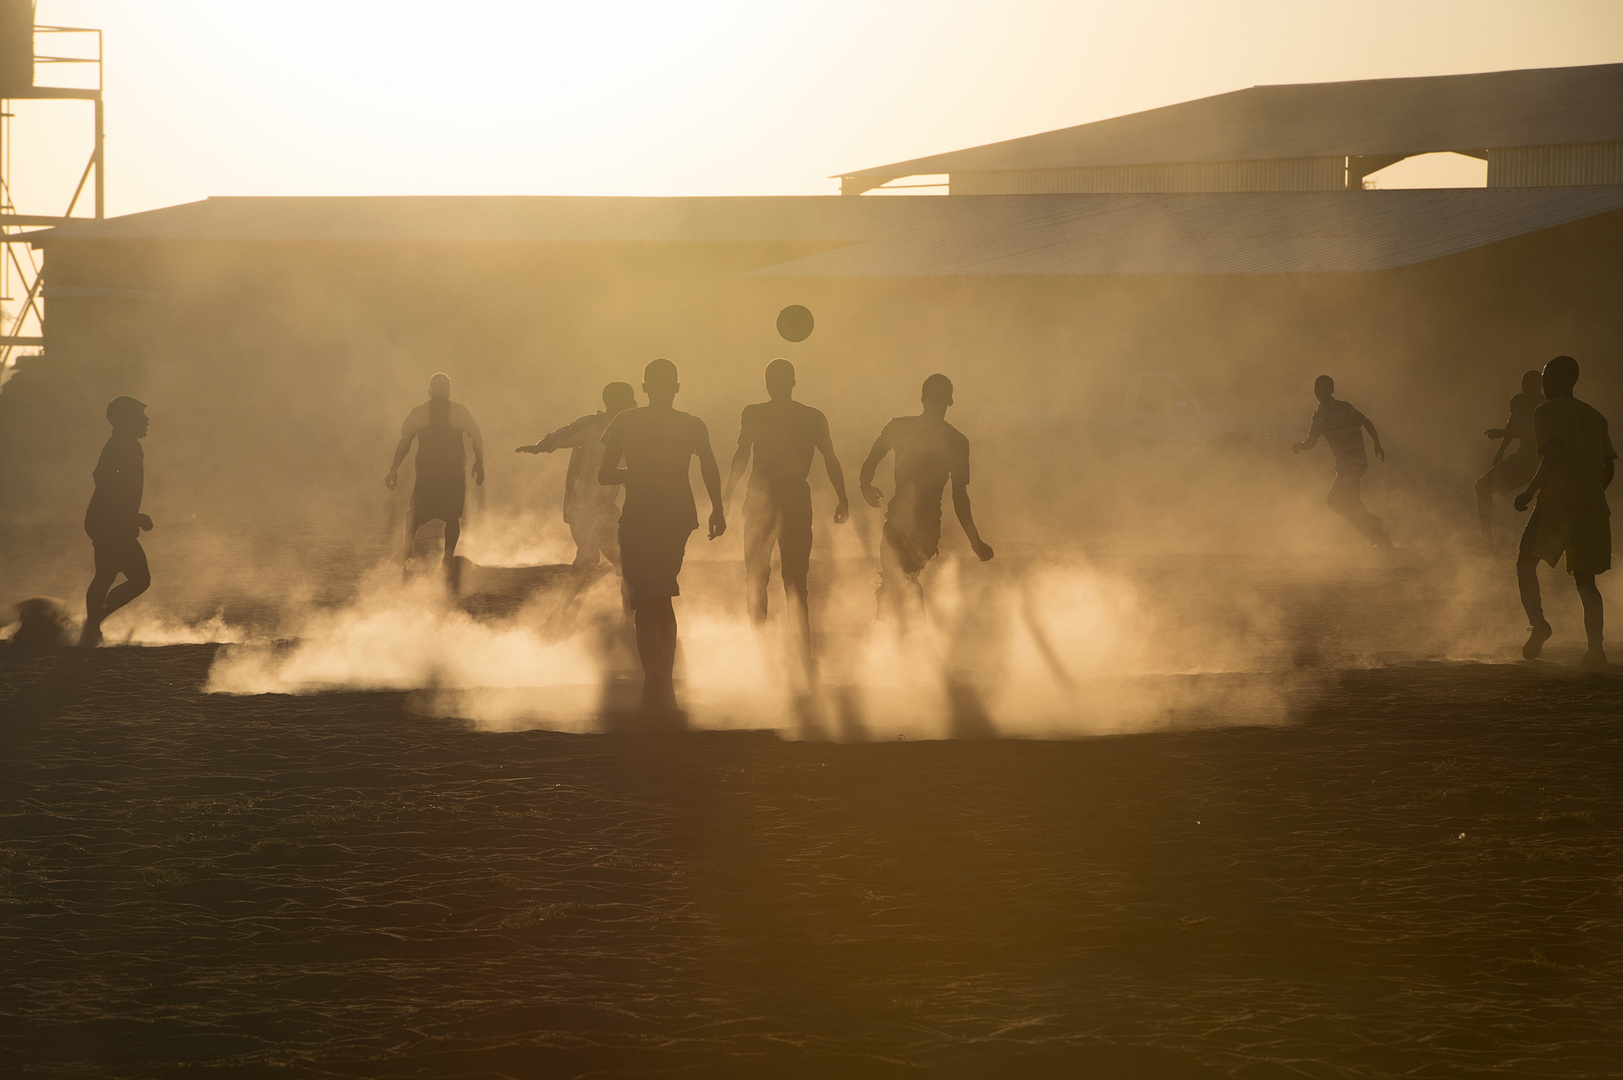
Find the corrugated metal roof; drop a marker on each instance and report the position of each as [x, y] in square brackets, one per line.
[1536, 107]
[1209, 233]
[506, 219]
[1226, 233]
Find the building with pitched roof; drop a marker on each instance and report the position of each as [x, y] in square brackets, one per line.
[288, 325]
[1543, 127]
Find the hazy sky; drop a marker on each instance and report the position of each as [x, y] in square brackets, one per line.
[296, 97]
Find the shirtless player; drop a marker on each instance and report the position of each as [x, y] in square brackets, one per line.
[439, 425]
[929, 452]
[782, 435]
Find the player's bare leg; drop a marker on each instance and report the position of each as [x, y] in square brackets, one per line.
[800, 624]
[656, 647]
[96, 608]
[1346, 498]
[103, 598]
[132, 587]
[1594, 621]
[1532, 603]
[585, 532]
[453, 533]
[404, 555]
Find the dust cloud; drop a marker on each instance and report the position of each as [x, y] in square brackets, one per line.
[1050, 651]
[1045, 642]
[1193, 611]
[1161, 560]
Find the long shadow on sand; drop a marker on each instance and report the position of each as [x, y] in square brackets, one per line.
[1418, 876]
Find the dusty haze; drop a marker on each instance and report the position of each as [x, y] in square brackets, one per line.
[1136, 584]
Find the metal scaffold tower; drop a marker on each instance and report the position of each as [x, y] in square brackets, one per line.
[22, 314]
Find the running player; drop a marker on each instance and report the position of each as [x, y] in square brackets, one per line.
[591, 509]
[114, 520]
[929, 452]
[657, 443]
[782, 434]
[1342, 427]
[439, 425]
[1576, 465]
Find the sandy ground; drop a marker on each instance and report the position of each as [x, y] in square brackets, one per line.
[1420, 873]
[1296, 813]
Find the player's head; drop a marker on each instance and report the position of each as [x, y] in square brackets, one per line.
[659, 381]
[1324, 388]
[937, 392]
[618, 397]
[439, 387]
[1560, 376]
[780, 379]
[1532, 384]
[128, 415]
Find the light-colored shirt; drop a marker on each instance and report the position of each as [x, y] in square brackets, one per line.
[582, 492]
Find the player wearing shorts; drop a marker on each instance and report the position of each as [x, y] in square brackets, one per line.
[782, 434]
[1576, 465]
[439, 425]
[591, 510]
[114, 521]
[929, 452]
[1342, 426]
[657, 443]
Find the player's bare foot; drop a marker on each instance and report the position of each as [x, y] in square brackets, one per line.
[1535, 640]
[1594, 660]
[90, 637]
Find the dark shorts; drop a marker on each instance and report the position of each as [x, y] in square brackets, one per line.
[1511, 474]
[909, 551]
[439, 496]
[651, 560]
[785, 521]
[121, 555]
[1586, 541]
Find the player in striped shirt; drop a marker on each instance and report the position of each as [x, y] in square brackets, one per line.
[1342, 427]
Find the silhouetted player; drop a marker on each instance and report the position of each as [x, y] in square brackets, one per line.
[1576, 465]
[1509, 473]
[438, 425]
[782, 435]
[590, 508]
[656, 443]
[1342, 427]
[114, 520]
[929, 452]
